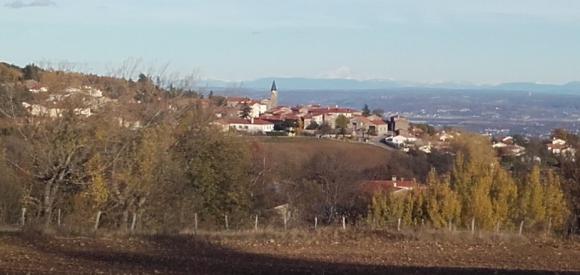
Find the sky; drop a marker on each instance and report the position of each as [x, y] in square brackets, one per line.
[429, 41]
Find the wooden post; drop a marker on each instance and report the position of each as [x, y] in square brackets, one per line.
[549, 226]
[343, 223]
[195, 223]
[449, 225]
[399, 224]
[285, 221]
[315, 223]
[521, 227]
[97, 220]
[226, 220]
[473, 226]
[256, 223]
[134, 221]
[58, 217]
[497, 227]
[23, 217]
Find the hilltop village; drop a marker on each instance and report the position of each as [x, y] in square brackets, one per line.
[266, 117]
[244, 115]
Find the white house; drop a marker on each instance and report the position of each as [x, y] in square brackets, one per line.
[38, 90]
[445, 136]
[309, 118]
[39, 110]
[426, 148]
[396, 141]
[558, 141]
[256, 108]
[499, 145]
[253, 126]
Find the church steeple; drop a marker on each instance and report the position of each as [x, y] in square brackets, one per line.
[273, 102]
[274, 88]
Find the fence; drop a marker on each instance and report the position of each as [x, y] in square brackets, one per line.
[284, 222]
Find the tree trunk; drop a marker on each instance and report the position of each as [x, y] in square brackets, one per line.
[125, 216]
[47, 203]
[125, 220]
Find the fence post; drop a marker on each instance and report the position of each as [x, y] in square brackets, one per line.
[226, 220]
[343, 223]
[497, 227]
[473, 226]
[521, 227]
[195, 223]
[549, 226]
[399, 224]
[285, 221]
[58, 215]
[97, 220]
[315, 223]
[256, 224]
[23, 216]
[134, 221]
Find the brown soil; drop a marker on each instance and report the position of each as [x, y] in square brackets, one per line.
[303, 252]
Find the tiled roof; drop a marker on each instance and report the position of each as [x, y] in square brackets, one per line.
[247, 121]
[374, 186]
[331, 110]
[379, 122]
[236, 98]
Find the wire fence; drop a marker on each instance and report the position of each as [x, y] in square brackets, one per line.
[281, 223]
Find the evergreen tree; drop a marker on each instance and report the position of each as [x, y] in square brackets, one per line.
[378, 112]
[342, 123]
[366, 111]
[31, 71]
[246, 111]
[312, 126]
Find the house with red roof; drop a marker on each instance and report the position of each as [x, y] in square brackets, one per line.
[369, 125]
[330, 114]
[560, 147]
[372, 187]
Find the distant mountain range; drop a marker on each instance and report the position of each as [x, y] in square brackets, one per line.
[297, 83]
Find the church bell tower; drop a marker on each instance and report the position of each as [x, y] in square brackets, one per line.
[273, 95]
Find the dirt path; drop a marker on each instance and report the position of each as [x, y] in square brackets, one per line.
[282, 255]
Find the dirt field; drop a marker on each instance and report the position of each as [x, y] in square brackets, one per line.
[328, 252]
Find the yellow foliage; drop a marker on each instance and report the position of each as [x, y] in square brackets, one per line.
[535, 209]
[556, 207]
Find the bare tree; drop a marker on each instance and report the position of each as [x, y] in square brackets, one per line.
[334, 183]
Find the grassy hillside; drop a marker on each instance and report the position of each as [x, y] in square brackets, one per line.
[287, 156]
[300, 150]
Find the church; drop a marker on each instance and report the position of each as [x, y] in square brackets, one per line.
[272, 102]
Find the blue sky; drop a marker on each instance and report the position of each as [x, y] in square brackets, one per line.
[486, 41]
